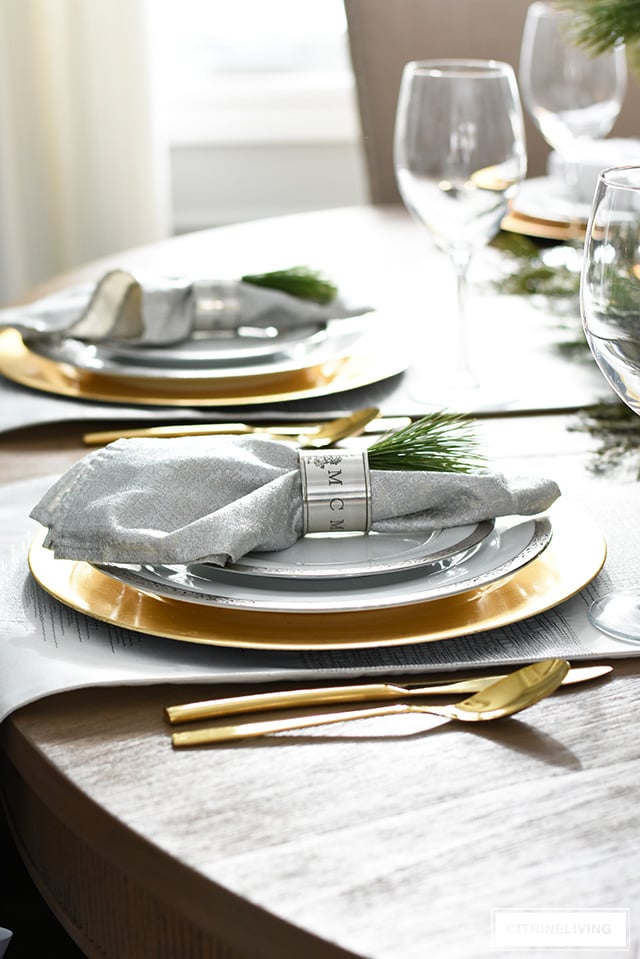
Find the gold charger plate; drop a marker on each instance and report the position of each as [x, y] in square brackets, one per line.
[542, 229]
[572, 559]
[378, 357]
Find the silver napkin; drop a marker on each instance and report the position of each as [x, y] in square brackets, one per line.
[212, 499]
[156, 311]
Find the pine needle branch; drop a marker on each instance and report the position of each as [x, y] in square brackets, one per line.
[298, 281]
[439, 442]
[601, 24]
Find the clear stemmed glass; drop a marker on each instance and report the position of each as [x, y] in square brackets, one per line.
[571, 94]
[610, 308]
[459, 156]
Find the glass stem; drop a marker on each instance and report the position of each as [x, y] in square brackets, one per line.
[575, 226]
[464, 374]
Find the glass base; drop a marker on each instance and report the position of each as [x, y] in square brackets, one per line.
[618, 614]
[460, 395]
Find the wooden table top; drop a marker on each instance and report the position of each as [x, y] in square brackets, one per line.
[376, 840]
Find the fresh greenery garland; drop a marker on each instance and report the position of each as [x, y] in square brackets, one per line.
[612, 424]
[529, 273]
[440, 442]
[617, 429]
[299, 281]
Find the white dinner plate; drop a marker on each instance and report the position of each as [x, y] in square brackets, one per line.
[336, 555]
[544, 198]
[512, 544]
[222, 356]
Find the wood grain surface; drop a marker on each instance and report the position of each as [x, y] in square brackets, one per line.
[381, 839]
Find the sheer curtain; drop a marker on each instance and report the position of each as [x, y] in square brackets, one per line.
[83, 172]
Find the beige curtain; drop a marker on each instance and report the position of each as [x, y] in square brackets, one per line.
[83, 172]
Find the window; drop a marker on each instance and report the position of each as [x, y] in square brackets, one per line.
[250, 71]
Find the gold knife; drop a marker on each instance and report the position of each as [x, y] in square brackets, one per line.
[288, 699]
[381, 424]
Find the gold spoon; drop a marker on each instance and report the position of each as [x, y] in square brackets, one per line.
[315, 438]
[508, 695]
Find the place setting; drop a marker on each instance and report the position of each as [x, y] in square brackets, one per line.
[340, 562]
[252, 542]
[134, 338]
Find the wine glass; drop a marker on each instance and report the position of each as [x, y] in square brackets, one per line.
[610, 308]
[459, 156]
[571, 94]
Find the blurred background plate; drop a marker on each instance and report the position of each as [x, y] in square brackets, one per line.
[221, 357]
[377, 355]
[545, 198]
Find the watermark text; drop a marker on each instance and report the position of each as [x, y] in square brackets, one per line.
[560, 929]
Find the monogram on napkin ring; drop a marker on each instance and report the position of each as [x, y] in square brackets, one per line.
[336, 491]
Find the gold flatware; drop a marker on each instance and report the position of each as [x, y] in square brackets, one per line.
[370, 692]
[507, 696]
[316, 434]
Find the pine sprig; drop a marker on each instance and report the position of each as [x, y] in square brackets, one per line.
[298, 281]
[529, 273]
[535, 277]
[439, 442]
[600, 24]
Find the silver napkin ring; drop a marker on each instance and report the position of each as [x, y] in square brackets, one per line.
[336, 491]
[216, 305]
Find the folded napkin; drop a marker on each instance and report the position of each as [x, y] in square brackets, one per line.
[156, 311]
[214, 498]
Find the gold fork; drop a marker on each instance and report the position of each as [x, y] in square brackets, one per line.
[315, 438]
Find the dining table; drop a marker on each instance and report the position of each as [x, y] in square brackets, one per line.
[386, 838]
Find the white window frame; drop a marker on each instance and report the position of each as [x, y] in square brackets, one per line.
[264, 106]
